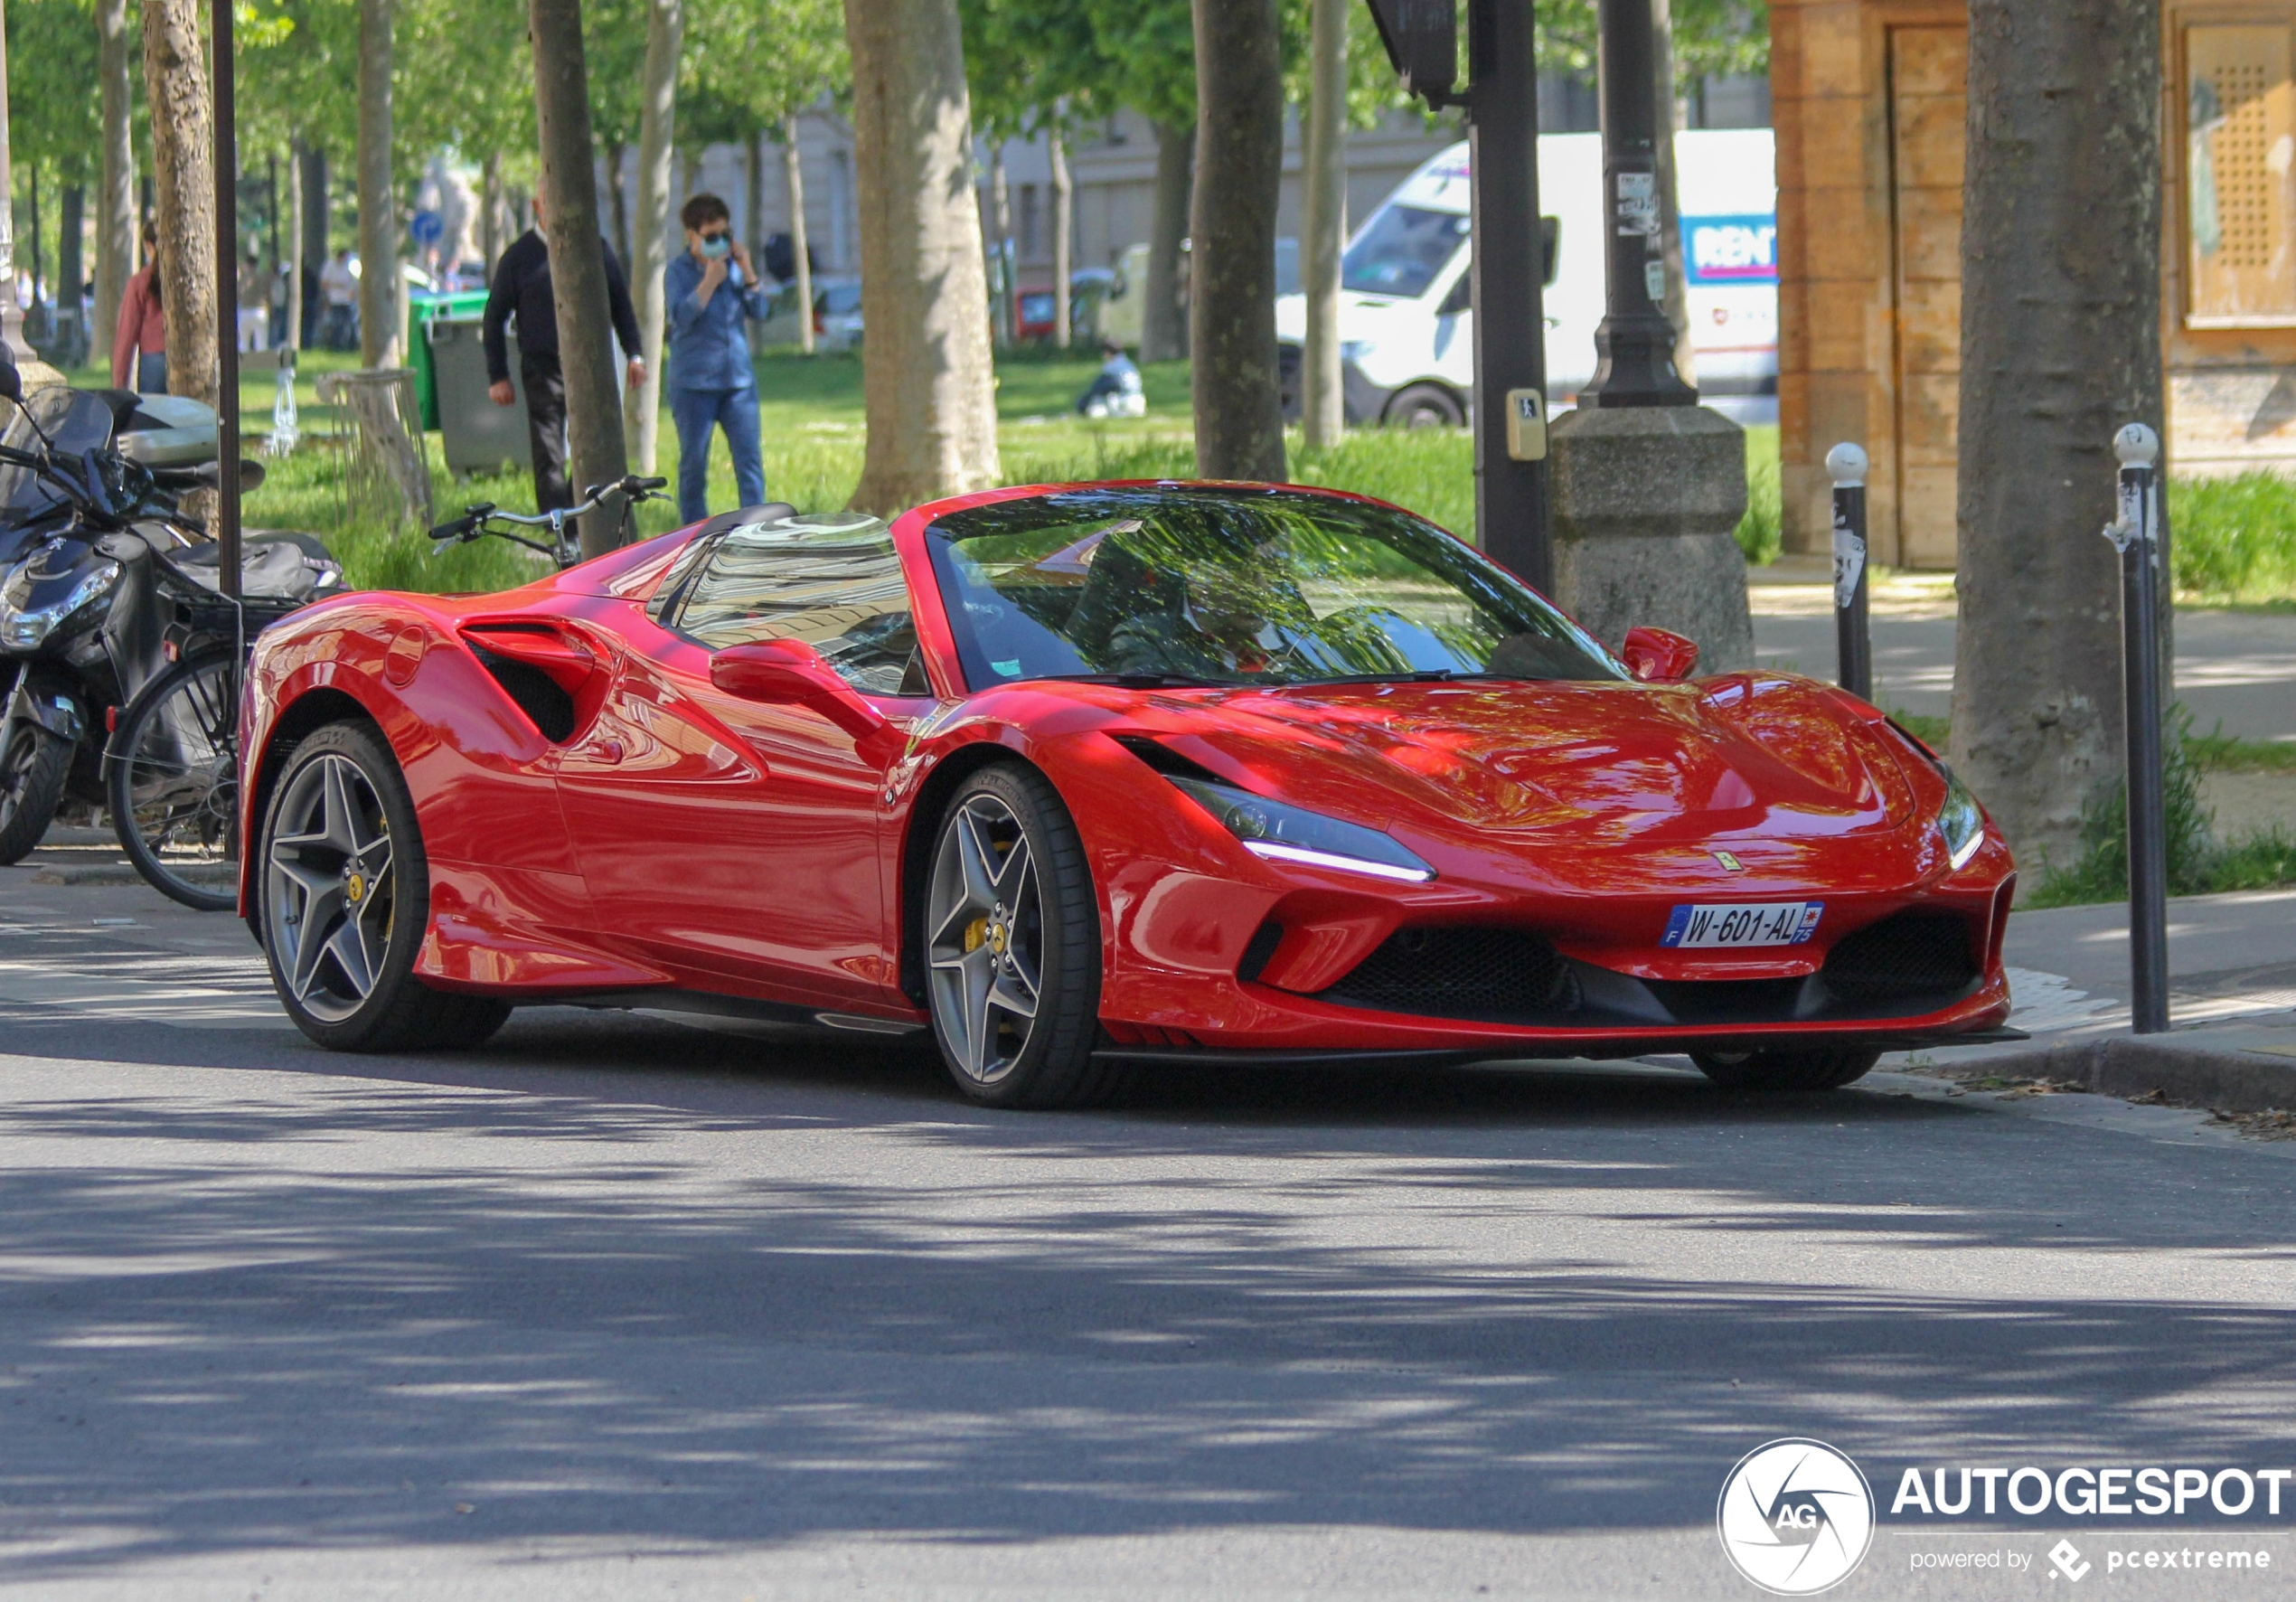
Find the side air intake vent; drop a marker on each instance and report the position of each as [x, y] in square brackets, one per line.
[548, 707]
[1488, 974]
[1908, 954]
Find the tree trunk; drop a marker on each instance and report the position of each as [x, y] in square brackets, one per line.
[665, 30]
[793, 175]
[71, 270]
[379, 331]
[490, 212]
[594, 444]
[1001, 247]
[617, 202]
[317, 204]
[298, 231]
[927, 374]
[1231, 289]
[1677, 304]
[182, 142]
[116, 190]
[1163, 320]
[2060, 346]
[1063, 207]
[1323, 226]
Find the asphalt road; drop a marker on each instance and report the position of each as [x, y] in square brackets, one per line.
[620, 1307]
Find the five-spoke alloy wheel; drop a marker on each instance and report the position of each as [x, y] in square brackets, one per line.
[343, 895]
[1012, 947]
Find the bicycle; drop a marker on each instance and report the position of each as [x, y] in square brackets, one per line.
[173, 765]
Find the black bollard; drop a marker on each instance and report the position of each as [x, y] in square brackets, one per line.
[1852, 634]
[2136, 536]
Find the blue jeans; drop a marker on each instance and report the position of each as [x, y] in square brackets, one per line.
[696, 412]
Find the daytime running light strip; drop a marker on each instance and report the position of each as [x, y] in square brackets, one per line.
[1277, 850]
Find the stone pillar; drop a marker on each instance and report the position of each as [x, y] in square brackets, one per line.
[1645, 501]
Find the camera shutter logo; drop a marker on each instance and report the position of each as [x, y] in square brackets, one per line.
[1795, 1517]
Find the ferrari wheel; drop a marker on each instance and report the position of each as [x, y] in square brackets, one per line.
[345, 899]
[1784, 1072]
[1012, 947]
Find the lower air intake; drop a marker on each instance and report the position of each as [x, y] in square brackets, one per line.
[1489, 975]
[1908, 954]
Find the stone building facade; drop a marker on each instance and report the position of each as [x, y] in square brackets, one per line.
[1868, 100]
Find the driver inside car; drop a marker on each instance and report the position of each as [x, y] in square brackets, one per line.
[1217, 624]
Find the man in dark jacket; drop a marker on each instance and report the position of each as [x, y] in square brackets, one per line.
[523, 289]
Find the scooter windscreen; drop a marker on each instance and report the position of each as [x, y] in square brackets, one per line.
[75, 420]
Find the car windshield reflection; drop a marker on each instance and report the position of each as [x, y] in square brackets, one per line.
[1217, 586]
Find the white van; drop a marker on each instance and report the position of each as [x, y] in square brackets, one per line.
[1406, 327]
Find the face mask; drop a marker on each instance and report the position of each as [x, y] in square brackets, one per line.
[717, 245]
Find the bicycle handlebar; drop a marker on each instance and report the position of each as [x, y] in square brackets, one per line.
[473, 521]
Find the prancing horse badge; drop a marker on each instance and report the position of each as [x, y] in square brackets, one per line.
[1730, 865]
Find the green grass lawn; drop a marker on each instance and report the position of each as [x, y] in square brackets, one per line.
[814, 424]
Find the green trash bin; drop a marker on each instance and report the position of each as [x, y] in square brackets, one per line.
[420, 310]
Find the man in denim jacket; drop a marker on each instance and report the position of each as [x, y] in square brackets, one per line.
[710, 290]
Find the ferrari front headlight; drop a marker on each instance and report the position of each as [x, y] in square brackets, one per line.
[1960, 821]
[1276, 832]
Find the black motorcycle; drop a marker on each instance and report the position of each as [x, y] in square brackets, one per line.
[99, 562]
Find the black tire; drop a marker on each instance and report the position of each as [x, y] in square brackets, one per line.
[33, 766]
[978, 949]
[171, 779]
[1425, 406]
[370, 906]
[1785, 1072]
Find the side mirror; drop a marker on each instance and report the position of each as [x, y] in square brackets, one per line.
[790, 673]
[1659, 656]
[11, 380]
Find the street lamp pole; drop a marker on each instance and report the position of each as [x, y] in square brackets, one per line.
[1634, 344]
[227, 301]
[1509, 268]
[11, 310]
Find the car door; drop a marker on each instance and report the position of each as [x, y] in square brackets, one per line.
[725, 837]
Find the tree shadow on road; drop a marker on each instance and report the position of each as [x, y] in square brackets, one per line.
[618, 1279]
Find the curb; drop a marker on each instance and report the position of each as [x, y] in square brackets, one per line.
[2223, 1076]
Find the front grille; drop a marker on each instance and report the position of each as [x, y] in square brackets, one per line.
[1494, 974]
[1907, 954]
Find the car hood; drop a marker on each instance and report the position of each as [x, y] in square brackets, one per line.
[1759, 756]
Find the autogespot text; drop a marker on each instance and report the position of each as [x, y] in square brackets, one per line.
[2090, 1493]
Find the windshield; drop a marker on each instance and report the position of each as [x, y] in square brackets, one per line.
[75, 419]
[1400, 250]
[1236, 587]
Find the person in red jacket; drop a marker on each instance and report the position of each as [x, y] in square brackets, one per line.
[139, 342]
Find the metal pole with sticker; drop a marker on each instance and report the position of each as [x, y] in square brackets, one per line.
[2136, 534]
[1852, 634]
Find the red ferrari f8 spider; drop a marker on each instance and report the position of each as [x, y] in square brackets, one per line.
[1082, 776]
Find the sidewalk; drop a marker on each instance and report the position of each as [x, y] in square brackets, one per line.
[2232, 982]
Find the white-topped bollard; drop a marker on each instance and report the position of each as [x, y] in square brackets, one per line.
[2136, 534]
[1853, 638]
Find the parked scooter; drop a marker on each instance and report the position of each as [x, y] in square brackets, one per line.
[97, 555]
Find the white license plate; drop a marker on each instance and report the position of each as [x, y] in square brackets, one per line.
[1742, 923]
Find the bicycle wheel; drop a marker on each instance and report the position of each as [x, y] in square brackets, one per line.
[173, 777]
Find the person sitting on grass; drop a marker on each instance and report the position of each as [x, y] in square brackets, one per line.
[1116, 390]
[710, 290]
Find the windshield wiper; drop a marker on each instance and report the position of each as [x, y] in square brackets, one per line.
[1139, 680]
[1421, 676]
